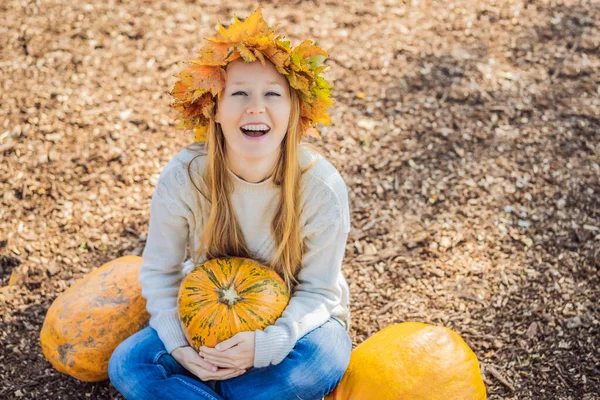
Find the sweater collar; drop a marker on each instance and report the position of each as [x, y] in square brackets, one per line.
[245, 186]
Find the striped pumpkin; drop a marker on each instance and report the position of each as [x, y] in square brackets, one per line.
[224, 296]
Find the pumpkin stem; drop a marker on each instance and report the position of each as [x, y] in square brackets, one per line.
[229, 296]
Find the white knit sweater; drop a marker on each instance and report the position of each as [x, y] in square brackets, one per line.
[178, 213]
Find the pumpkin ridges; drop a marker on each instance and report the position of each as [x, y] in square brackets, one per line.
[210, 324]
[253, 307]
[234, 321]
[257, 314]
[226, 266]
[201, 282]
[205, 314]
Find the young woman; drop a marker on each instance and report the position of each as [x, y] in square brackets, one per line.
[249, 190]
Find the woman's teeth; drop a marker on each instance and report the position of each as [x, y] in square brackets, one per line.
[255, 130]
[255, 127]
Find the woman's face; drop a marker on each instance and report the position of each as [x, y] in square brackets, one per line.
[254, 110]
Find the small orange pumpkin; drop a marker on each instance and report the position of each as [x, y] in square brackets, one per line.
[413, 361]
[89, 320]
[225, 296]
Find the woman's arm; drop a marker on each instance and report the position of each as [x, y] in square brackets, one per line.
[161, 270]
[318, 291]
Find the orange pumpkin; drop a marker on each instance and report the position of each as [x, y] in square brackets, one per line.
[89, 320]
[412, 361]
[225, 296]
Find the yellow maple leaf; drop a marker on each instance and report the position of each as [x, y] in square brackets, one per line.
[239, 30]
[200, 133]
[259, 56]
[246, 54]
[279, 59]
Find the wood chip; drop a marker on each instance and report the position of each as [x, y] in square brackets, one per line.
[496, 374]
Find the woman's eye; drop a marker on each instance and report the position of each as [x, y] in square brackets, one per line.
[273, 94]
[238, 93]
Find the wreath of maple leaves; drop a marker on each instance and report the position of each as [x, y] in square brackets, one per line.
[199, 84]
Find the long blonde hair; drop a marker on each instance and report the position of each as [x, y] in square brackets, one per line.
[222, 236]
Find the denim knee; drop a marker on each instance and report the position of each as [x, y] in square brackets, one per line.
[117, 364]
[125, 362]
[328, 363]
[316, 380]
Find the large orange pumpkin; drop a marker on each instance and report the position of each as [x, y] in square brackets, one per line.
[224, 296]
[89, 320]
[412, 361]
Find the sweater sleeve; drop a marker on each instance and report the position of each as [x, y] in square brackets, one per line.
[162, 268]
[317, 292]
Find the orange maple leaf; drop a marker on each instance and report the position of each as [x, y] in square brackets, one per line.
[207, 78]
[213, 54]
[181, 90]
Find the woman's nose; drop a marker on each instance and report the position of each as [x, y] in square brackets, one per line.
[256, 106]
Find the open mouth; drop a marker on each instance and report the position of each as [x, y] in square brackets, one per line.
[255, 131]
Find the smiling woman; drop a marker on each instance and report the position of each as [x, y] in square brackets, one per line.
[253, 115]
[251, 190]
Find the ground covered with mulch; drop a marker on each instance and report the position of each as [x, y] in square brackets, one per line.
[468, 133]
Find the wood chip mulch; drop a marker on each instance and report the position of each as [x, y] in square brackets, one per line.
[468, 133]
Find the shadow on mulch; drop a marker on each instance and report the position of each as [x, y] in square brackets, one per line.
[560, 343]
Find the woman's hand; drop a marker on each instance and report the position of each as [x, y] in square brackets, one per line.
[206, 371]
[235, 353]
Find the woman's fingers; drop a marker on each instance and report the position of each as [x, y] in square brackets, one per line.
[203, 369]
[225, 364]
[220, 374]
[211, 352]
[229, 343]
[236, 372]
[219, 359]
[207, 365]
[237, 351]
[220, 362]
[215, 357]
[190, 360]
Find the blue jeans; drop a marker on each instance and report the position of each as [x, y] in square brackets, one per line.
[141, 368]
